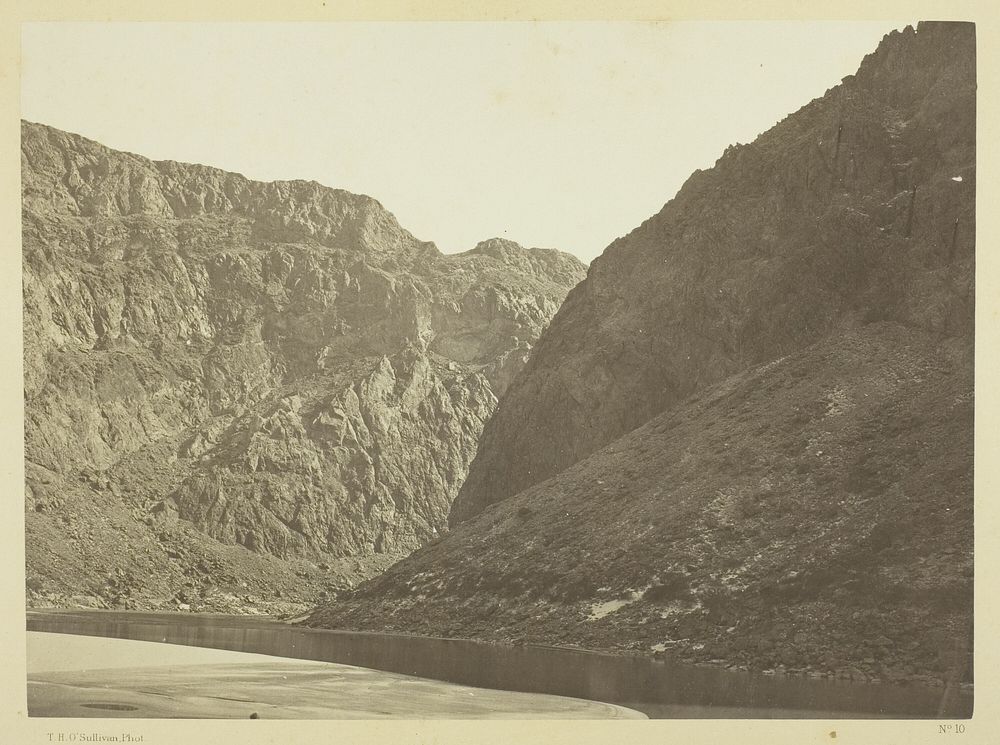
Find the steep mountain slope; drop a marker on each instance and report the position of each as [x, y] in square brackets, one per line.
[814, 513]
[859, 206]
[221, 362]
[788, 350]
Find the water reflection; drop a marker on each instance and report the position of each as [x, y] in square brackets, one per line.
[659, 689]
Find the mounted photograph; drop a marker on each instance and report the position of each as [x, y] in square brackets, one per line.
[499, 370]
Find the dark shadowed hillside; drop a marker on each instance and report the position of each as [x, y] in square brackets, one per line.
[240, 394]
[747, 437]
[858, 207]
[814, 513]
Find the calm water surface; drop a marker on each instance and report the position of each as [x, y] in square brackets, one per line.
[657, 688]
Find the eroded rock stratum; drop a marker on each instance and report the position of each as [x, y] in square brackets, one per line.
[230, 383]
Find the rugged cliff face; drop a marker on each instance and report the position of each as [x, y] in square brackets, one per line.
[280, 367]
[788, 349]
[857, 207]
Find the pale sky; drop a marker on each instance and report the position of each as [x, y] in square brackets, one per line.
[554, 134]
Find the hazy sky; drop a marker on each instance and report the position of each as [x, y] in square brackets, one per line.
[563, 135]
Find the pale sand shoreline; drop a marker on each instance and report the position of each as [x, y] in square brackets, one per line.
[81, 676]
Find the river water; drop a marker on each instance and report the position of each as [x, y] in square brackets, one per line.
[658, 689]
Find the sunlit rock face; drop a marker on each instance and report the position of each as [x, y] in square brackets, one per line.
[275, 366]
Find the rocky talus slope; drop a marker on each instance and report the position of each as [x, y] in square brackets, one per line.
[811, 514]
[747, 438]
[242, 393]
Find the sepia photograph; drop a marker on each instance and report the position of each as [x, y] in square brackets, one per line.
[497, 370]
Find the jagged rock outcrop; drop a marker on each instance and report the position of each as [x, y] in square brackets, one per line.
[857, 207]
[747, 437]
[280, 366]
